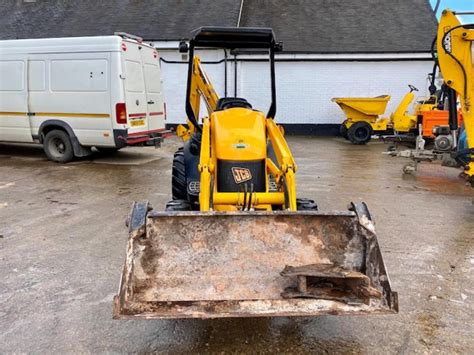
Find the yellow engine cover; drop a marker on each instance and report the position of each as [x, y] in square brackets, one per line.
[238, 134]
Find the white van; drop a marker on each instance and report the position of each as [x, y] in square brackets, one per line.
[71, 94]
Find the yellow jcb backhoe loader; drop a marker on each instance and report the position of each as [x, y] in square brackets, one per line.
[453, 144]
[236, 241]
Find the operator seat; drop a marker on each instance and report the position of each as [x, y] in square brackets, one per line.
[225, 103]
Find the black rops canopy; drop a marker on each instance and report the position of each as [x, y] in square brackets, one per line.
[234, 37]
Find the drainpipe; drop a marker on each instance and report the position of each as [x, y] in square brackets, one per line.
[240, 12]
[225, 72]
[436, 7]
[235, 75]
[235, 56]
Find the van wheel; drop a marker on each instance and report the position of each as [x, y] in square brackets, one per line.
[58, 146]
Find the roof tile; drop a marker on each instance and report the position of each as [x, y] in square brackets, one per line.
[324, 26]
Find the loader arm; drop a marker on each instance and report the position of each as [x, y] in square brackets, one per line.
[200, 88]
[455, 58]
[287, 166]
[206, 168]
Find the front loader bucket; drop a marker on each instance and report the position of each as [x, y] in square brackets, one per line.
[214, 264]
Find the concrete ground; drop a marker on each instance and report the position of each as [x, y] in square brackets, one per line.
[63, 240]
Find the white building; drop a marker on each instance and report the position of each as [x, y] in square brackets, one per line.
[331, 48]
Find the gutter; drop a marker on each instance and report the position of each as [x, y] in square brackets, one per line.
[174, 44]
[285, 57]
[278, 60]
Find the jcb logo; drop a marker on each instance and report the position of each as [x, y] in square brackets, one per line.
[241, 175]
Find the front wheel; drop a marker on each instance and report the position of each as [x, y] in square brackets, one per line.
[360, 133]
[178, 176]
[58, 147]
[178, 205]
[306, 204]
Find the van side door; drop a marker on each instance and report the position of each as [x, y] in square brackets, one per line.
[14, 113]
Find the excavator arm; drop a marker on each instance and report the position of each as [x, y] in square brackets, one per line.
[200, 88]
[455, 58]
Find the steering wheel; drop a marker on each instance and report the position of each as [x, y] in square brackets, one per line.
[412, 88]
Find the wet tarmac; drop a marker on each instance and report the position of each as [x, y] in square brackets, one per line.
[63, 240]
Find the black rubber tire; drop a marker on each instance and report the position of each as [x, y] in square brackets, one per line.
[58, 147]
[360, 133]
[178, 205]
[306, 204]
[107, 150]
[178, 176]
[470, 180]
[343, 129]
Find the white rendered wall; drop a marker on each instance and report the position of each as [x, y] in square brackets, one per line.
[304, 89]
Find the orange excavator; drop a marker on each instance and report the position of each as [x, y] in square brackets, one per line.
[454, 141]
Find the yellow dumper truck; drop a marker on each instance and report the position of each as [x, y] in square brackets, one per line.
[364, 116]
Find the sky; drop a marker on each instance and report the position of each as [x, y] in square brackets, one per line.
[456, 5]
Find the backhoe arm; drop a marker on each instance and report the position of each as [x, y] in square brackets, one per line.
[455, 57]
[201, 87]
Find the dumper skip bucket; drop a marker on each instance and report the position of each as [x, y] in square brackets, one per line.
[361, 107]
[210, 265]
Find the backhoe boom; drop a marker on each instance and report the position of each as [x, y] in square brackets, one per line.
[455, 57]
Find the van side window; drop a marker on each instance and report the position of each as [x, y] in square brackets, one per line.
[134, 76]
[12, 75]
[152, 78]
[36, 75]
[79, 75]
